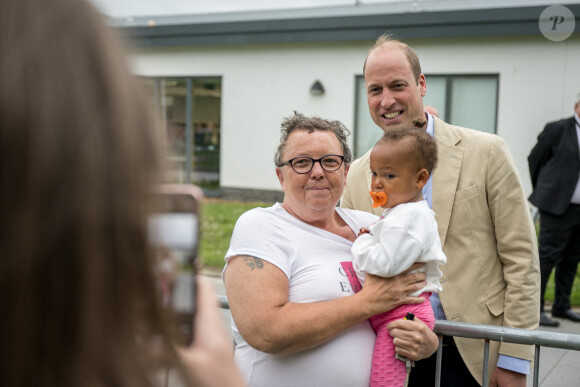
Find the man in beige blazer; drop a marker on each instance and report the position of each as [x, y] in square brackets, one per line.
[492, 273]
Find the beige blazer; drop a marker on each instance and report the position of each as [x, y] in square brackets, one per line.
[492, 272]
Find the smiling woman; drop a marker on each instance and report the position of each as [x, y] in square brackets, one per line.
[295, 316]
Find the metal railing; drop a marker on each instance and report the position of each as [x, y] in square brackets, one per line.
[491, 333]
[503, 334]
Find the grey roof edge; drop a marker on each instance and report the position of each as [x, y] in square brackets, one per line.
[357, 9]
[338, 26]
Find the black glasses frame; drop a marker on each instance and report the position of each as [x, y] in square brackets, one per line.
[314, 161]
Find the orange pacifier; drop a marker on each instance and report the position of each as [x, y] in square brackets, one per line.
[379, 198]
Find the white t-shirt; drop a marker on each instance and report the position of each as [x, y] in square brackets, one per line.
[405, 234]
[311, 259]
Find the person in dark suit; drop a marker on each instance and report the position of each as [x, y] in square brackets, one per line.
[555, 170]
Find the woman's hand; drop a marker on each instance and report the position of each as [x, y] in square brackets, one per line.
[209, 361]
[384, 294]
[413, 339]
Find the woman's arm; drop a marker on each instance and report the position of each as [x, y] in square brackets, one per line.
[258, 296]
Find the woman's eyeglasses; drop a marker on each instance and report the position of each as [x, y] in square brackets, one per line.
[304, 165]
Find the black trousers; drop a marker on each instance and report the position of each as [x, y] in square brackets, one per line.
[559, 246]
[454, 372]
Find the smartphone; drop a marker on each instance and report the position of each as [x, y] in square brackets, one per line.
[174, 232]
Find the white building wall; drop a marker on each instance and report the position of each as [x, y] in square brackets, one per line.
[538, 82]
[261, 84]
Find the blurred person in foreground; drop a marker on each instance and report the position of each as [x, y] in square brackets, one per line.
[492, 271]
[78, 159]
[554, 165]
[296, 320]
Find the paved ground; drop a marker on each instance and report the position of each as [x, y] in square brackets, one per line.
[558, 367]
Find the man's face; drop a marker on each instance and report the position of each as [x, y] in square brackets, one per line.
[577, 109]
[395, 98]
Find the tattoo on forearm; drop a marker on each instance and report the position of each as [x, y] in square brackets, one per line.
[253, 262]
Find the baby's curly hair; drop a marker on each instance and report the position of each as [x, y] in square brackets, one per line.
[424, 147]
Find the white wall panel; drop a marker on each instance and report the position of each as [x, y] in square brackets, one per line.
[538, 80]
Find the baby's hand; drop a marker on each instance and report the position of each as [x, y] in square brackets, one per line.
[363, 231]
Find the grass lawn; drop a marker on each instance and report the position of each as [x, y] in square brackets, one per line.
[219, 218]
[550, 287]
[575, 296]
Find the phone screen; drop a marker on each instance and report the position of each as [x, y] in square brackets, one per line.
[174, 234]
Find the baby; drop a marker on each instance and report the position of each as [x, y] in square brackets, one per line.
[401, 162]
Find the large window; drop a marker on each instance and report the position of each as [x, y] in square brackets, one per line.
[464, 100]
[191, 111]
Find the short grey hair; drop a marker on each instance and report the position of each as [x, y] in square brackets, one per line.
[299, 122]
[577, 99]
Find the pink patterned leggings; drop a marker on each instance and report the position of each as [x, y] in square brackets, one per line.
[386, 370]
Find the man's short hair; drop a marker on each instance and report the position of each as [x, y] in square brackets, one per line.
[409, 52]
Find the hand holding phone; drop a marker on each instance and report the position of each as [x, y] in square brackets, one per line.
[209, 361]
[174, 233]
